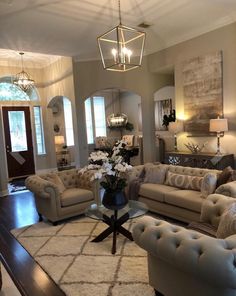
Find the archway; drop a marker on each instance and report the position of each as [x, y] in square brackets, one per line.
[63, 131]
[100, 105]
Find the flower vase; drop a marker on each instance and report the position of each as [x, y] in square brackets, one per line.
[114, 200]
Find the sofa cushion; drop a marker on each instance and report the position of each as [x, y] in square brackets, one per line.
[155, 174]
[74, 196]
[187, 199]
[208, 184]
[183, 181]
[227, 225]
[155, 191]
[224, 176]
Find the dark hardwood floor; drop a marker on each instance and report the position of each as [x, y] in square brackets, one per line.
[16, 211]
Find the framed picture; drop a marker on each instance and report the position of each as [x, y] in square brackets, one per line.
[203, 92]
[162, 107]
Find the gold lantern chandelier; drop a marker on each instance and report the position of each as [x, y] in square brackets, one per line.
[22, 79]
[121, 48]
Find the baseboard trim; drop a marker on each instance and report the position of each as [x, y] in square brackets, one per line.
[4, 193]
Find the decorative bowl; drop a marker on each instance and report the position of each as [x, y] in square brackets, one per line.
[195, 148]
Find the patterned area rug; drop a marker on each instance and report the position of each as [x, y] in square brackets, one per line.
[83, 268]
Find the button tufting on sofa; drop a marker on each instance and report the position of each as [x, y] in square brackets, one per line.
[58, 195]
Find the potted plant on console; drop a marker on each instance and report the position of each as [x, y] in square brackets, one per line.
[111, 169]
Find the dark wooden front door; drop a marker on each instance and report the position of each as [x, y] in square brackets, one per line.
[18, 141]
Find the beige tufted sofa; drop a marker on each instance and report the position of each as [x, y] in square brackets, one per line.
[180, 203]
[63, 194]
[183, 262]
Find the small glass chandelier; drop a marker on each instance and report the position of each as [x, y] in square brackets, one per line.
[121, 48]
[22, 79]
[117, 120]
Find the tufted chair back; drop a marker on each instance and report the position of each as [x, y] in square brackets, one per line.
[213, 207]
[64, 194]
[69, 178]
[183, 262]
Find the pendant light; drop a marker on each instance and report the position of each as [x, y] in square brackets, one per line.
[22, 79]
[121, 48]
[117, 120]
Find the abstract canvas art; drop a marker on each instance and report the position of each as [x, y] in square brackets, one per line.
[203, 92]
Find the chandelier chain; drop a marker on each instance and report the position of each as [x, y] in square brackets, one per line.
[119, 11]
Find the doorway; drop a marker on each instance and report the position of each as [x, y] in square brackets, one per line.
[18, 141]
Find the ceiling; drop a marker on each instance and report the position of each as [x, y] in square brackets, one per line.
[70, 28]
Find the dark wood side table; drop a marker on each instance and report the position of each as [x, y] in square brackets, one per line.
[200, 160]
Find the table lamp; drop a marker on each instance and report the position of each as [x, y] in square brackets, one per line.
[59, 142]
[218, 125]
[175, 127]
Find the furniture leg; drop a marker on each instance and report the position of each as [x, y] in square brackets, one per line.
[40, 217]
[113, 251]
[157, 293]
[103, 235]
[0, 278]
[125, 232]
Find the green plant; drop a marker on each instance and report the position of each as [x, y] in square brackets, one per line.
[168, 118]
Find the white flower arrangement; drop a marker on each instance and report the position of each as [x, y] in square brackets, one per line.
[110, 168]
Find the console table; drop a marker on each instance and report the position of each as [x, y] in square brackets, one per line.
[200, 160]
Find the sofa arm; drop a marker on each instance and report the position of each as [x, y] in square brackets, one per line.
[213, 207]
[212, 260]
[41, 187]
[228, 189]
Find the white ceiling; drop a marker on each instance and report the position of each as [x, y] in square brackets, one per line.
[70, 27]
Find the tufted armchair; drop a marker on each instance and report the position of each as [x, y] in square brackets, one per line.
[63, 194]
[183, 262]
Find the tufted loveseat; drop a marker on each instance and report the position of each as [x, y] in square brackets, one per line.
[178, 193]
[183, 262]
[63, 194]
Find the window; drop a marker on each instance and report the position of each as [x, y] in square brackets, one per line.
[39, 130]
[11, 92]
[17, 131]
[68, 122]
[95, 118]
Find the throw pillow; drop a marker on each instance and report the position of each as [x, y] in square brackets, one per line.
[184, 181]
[227, 225]
[155, 174]
[224, 176]
[54, 178]
[208, 184]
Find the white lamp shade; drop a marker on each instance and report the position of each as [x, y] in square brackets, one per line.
[59, 140]
[219, 125]
[175, 127]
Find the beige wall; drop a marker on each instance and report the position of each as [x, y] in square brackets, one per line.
[222, 39]
[57, 81]
[91, 77]
[51, 81]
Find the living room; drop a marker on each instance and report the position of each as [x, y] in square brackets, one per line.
[79, 77]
